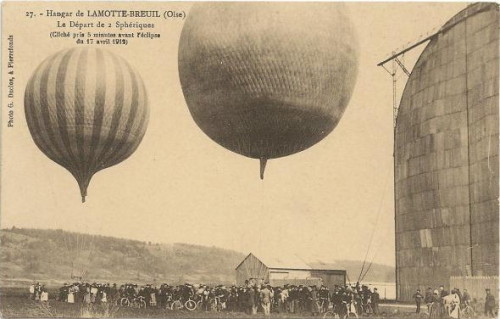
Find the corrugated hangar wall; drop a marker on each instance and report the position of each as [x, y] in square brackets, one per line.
[446, 156]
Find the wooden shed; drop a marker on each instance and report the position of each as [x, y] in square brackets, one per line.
[291, 270]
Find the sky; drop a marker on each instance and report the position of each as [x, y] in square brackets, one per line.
[324, 203]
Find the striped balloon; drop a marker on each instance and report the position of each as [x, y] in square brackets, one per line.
[86, 110]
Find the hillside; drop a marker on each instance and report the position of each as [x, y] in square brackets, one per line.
[56, 256]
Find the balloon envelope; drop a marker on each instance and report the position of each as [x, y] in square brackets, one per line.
[267, 80]
[87, 110]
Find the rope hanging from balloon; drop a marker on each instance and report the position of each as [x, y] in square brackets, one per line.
[363, 273]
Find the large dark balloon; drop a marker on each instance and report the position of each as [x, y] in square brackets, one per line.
[267, 80]
[86, 110]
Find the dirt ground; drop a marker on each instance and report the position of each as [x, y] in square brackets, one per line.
[21, 307]
[14, 303]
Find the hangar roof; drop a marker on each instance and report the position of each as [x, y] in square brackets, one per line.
[292, 262]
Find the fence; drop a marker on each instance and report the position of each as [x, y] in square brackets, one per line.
[386, 290]
[296, 282]
[476, 285]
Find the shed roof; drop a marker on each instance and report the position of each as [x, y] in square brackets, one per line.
[322, 265]
[288, 262]
[292, 262]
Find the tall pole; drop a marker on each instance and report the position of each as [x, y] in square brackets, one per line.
[395, 108]
[395, 114]
[471, 243]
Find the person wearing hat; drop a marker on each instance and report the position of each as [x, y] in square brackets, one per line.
[305, 298]
[232, 299]
[284, 299]
[251, 303]
[428, 298]
[44, 296]
[418, 299]
[87, 295]
[314, 301]
[32, 291]
[375, 298]
[453, 304]
[243, 298]
[436, 309]
[324, 297]
[297, 296]
[292, 299]
[71, 294]
[459, 293]
[489, 304]
[443, 292]
[276, 302]
[63, 292]
[465, 300]
[38, 291]
[265, 300]
[365, 301]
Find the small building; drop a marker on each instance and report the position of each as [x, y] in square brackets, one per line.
[292, 271]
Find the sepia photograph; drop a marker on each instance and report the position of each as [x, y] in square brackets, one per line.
[249, 159]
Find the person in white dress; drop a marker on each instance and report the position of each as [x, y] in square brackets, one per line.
[44, 297]
[32, 291]
[454, 309]
[71, 295]
[93, 293]
[152, 302]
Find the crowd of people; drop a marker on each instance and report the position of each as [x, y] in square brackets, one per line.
[443, 304]
[264, 298]
[249, 298]
[87, 293]
[38, 292]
